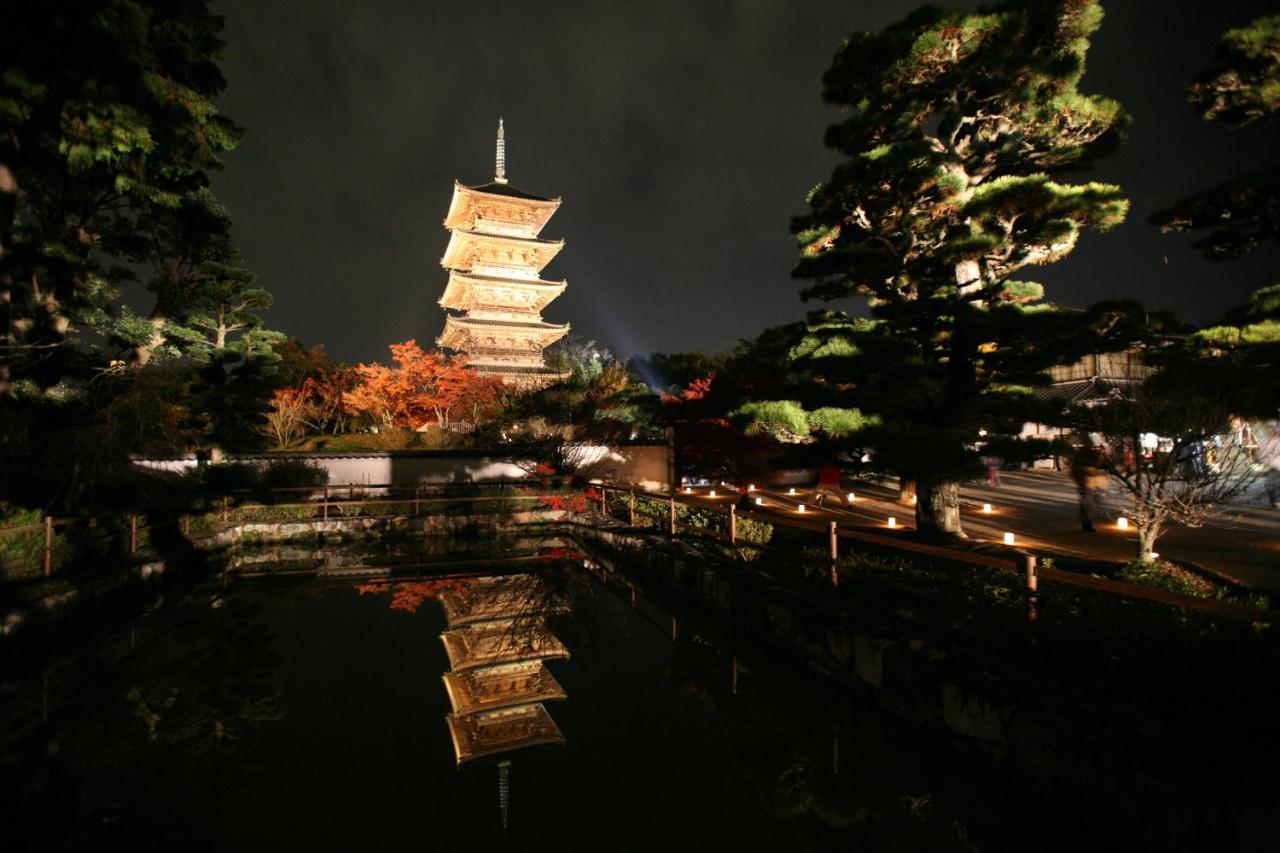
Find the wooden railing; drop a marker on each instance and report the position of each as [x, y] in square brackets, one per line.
[327, 499]
[1028, 566]
[324, 500]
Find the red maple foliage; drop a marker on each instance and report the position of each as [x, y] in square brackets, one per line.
[556, 553]
[698, 389]
[408, 596]
[565, 503]
[425, 387]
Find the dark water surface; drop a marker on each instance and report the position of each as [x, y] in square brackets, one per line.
[287, 715]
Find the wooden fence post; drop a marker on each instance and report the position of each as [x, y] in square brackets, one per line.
[133, 533]
[834, 536]
[733, 525]
[673, 515]
[631, 516]
[1033, 585]
[48, 545]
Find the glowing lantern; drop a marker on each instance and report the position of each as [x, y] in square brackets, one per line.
[751, 488]
[688, 491]
[1008, 539]
[851, 497]
[893, 522]
[711, 494]
[759, 501]
[791, 491]
[986, 508]
[1122, 523]
[800, 508]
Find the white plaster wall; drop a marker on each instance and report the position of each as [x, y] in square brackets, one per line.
[642, 465]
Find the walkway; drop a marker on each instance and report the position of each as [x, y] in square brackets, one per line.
[1039, 508]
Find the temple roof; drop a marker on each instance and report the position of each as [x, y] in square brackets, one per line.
[514, 369]
[480, 321]
[495, 202]
[460, 292]
[533, 253]
[502, 686]
[493, 732]
[509, 280]
[495, 188]
[491, 643]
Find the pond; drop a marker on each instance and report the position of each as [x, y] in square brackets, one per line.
[297, 713]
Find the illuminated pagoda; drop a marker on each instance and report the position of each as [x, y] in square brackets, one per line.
[494, 259]
[497, 641]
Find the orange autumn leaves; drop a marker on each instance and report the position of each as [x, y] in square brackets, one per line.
[423, 387]
[408, 596]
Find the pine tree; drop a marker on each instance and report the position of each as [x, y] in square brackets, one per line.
[956, 125]
[108, 124]
[108, 135]
[1240, 89]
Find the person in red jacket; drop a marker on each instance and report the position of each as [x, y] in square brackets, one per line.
[828, 484]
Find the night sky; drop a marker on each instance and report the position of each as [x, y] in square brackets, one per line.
[682, 137]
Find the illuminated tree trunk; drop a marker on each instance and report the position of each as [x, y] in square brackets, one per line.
[1148, 533]
[938, 509]
[906, 491]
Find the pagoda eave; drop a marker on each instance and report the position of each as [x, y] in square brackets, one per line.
[470, 249]
[465, 291]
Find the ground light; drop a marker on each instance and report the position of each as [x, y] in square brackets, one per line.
[1008, 539]
[751, 488]
[759, 501]
[893, 522]
[791, 491]
[986, 508]
[800, 508]
[711, 494]
[851, 497]
[1122, 523]
[688, 491]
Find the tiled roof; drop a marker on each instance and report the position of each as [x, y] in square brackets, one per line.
[524, 282]
[495, 188]
[1084, 390]
[477, 321]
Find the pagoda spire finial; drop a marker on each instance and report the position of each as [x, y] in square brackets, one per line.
[500, 168]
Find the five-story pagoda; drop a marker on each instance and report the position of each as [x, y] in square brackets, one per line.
[494, 259]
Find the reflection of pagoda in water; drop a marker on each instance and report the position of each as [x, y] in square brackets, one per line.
[497, 643]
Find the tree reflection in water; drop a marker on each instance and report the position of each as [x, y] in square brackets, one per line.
[130, 736]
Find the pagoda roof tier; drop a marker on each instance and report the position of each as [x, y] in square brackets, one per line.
[477, 335]
[470, 249]
[502, 686]
[462, 609]
[492, 643]
[521, 377]
[470, 291]
[493, 732]
[500, 207]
